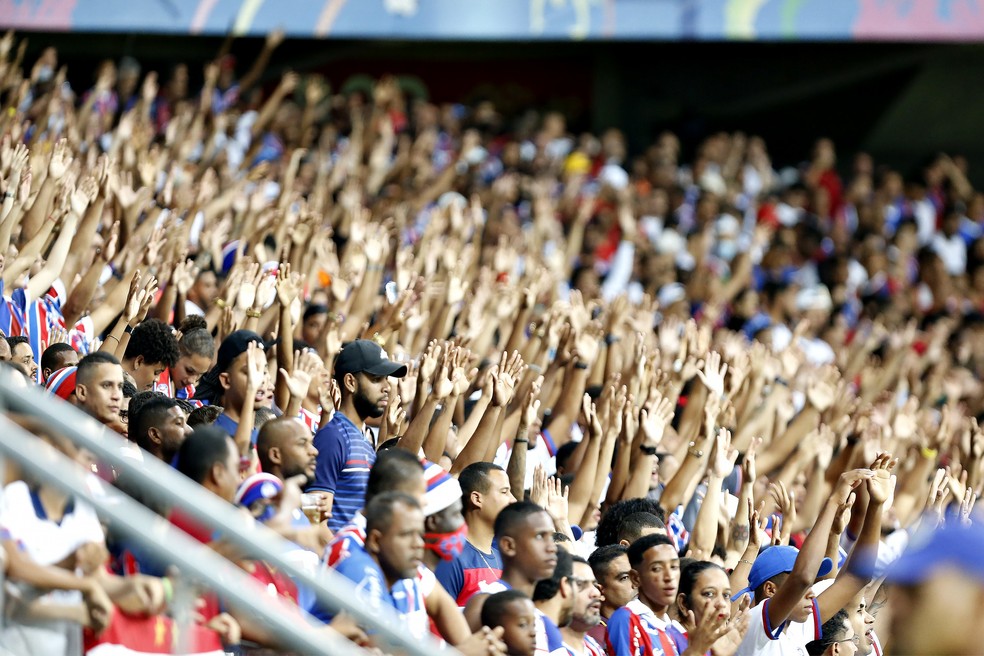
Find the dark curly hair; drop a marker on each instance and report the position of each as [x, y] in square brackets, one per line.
[195, 337]
[608, 526]
[154, 340]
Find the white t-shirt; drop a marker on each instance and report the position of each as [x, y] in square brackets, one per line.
[24, 521]
[789, 639]
[43, 540]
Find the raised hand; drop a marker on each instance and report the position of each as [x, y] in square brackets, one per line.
[938, 493]
[821, 394]
[148, 299]
[967, 506]
[756, 524]
[134, 298]
[723, 461]
[61, 159]
[459, 377]
[654, 419]
[785, 501]
[557, 499]
[442, 386]
[153, 251]
[588, 344]
[880, 484]
[713, 374]
[712, 628]
[847, 482]
[265, 291]
[507, 375]
[843, 515]
[590, 410]
[305, 369]
[748, 463]
[184, 276]
[247, 288]
[538, 492]
[255, 372]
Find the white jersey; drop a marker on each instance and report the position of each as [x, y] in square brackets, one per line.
[788, 639]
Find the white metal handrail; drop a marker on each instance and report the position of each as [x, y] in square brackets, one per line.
[162, 484]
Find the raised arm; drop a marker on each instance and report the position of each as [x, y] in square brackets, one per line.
[804, 573]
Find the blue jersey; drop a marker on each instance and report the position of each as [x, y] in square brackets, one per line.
[345, 457]
[470, 572]
[226, 423]
[372, 593]
[549, 641]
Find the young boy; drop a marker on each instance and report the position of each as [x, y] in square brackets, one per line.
[516, 614]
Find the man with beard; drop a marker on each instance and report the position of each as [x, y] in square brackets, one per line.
[285, 449]
[587, 612]
[345, 452]
[159, 426]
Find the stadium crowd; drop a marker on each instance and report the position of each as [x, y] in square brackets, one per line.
[535, 394]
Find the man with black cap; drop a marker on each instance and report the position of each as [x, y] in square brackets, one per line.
[345, 452]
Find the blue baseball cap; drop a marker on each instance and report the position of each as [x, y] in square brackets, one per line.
[776, 560]
[955, 545]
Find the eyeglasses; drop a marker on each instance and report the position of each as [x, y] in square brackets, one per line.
[855, 639]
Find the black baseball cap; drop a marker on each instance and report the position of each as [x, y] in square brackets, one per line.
[233, 346]
[366, 356]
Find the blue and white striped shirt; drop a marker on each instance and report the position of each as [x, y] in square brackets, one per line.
[344, 459]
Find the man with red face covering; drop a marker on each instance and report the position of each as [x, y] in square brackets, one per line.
[444, 525]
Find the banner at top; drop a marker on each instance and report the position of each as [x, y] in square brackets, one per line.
[665, 20]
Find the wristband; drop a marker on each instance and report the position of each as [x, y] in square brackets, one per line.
[648, 450]
[581, 365]
[929, 454]
[168, 589]
[128, 329]
[220, 302]
[611, 339]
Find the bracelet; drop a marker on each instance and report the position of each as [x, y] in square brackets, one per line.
[611, 339]
[220, 302]
[746, 561]
[128, 329]
[929, 454]
[375, 267]
[254, 314]
[581, 365]
[168, 589]
[521, 440]
[648, 450]
[693, 451]
[113, 337]
[7, 194]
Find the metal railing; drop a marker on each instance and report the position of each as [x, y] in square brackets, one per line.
[158, 482]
